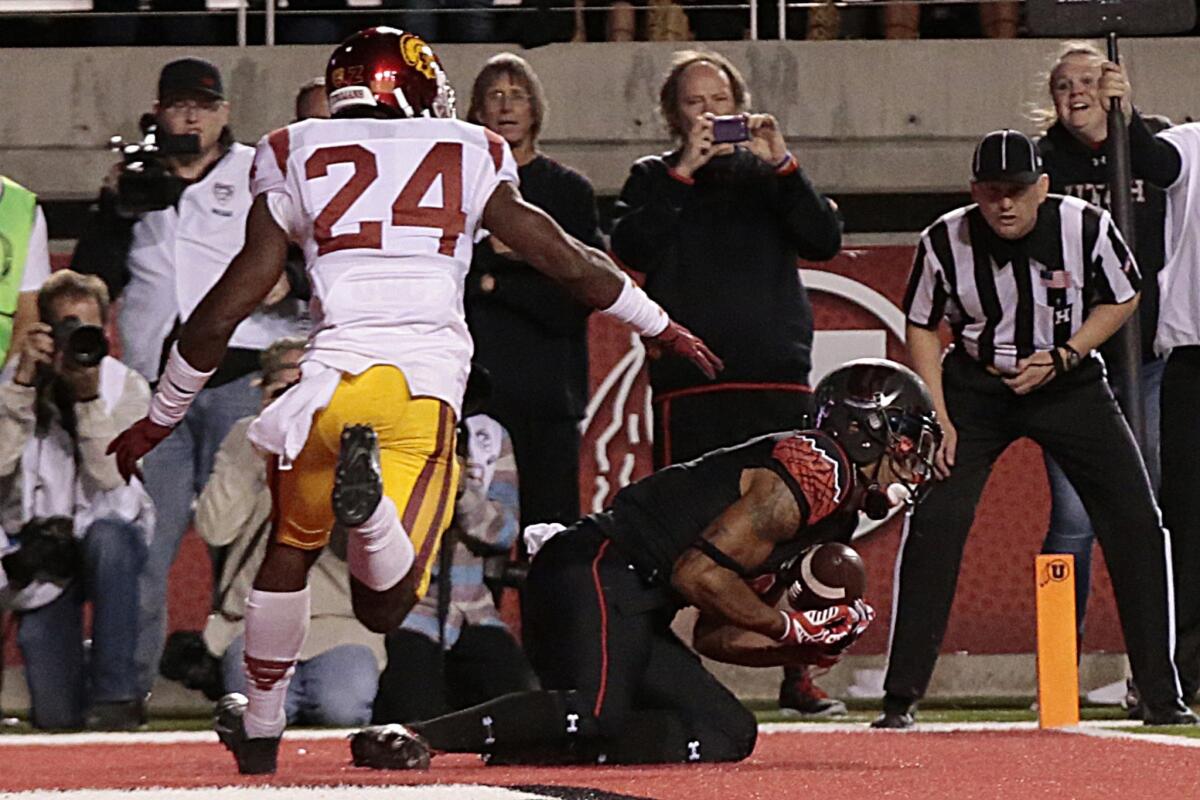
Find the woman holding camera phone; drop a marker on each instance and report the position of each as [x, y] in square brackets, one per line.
[717, 226]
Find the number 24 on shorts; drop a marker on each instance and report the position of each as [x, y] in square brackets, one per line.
[444, 160]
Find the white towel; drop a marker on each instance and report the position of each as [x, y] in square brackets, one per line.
[282, 428]
[537, 535]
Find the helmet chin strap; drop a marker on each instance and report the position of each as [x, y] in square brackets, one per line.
[875, 502]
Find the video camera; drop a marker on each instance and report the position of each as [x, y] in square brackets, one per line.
[147, 182]
[186, 660]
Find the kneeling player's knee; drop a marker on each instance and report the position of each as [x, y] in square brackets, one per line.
[609, 723]
[742, 730]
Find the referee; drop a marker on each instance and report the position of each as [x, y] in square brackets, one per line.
[1031, 284]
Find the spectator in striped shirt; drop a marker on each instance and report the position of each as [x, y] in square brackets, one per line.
[1030, 284]
[452, 650]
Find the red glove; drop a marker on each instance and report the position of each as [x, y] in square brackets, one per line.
[679, 341]
[828, 626]
[133, 443]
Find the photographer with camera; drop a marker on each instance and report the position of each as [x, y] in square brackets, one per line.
[717, 226]
[338, 669]
[170, 218]
[452, 650]
[72, 530]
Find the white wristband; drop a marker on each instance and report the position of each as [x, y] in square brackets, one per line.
[635, 308]
[178, 386]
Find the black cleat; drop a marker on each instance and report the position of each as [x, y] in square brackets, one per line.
[254, 756]
[123, 715]
[357, 485]
[389, 747]
[893, 721]
[1172, 716]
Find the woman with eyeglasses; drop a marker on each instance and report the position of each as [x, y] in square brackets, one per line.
[528, 333]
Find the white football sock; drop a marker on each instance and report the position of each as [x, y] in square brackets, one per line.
[379, 552]
[276, 624]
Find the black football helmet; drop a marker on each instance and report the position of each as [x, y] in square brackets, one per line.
[388, 68]
[875, 408]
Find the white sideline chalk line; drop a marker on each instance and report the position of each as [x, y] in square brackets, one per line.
[1099, 727]
[417, 792]
[1102, 729]
[153, 737]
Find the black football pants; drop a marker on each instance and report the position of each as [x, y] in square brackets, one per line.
[1077, 421]
[1180, 452]
[619, 687]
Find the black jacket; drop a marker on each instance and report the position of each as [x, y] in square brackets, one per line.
[720, 254]
[529, 333]
[1077, 170]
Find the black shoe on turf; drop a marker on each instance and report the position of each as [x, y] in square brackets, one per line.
[897, 714]
[892, 721]
[124, 715]
[254, 756]
[1173, 716]
[389, 747]
[357, 486]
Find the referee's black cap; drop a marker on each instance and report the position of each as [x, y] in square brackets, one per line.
[1006, 155]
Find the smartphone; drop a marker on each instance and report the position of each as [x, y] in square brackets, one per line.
[729, 129]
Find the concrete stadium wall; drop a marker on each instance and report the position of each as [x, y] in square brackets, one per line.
[863, 116]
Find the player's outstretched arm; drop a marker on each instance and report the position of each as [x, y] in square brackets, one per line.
[588, 274]
[203, 340]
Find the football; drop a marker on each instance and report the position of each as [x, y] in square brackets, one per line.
[828, 574]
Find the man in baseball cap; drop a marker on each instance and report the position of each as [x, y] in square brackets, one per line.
[190, 76]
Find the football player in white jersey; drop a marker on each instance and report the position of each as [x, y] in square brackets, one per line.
[386, 200]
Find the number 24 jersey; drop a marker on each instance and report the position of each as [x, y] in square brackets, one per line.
[387, 213]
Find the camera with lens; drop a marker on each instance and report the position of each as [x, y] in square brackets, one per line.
[186, 660]
[147, 182]
[45, 549]
[83, 344]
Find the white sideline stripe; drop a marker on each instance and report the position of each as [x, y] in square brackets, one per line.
[1156, 738]
[154, 737]
[942, 727]
[1103, 728]
[427, 792]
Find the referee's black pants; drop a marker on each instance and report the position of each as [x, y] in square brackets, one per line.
[618, 686]
[1180, 449]
[1077, 421]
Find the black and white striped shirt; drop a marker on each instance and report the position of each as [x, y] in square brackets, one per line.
[1006, 300]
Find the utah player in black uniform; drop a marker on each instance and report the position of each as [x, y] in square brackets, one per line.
[719, 533]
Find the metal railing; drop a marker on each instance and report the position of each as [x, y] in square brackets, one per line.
[270, 12]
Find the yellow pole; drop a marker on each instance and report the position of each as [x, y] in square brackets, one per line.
[1057, 665]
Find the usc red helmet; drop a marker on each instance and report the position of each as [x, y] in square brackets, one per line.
[388, 67]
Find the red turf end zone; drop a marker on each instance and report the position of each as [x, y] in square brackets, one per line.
[976, 765]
